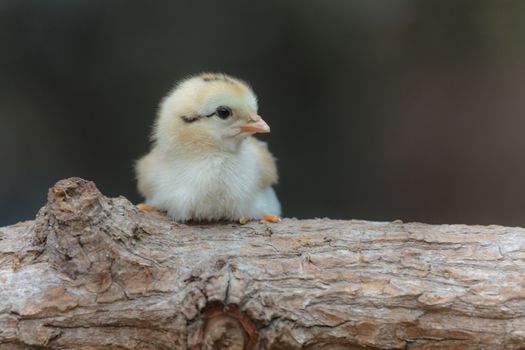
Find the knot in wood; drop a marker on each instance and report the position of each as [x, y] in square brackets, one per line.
[73, 199]
[75, 238]
[223, 333]
[225, 328]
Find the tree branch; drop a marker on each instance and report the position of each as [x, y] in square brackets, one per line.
[97, 273]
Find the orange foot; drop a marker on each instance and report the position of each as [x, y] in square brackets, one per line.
[145, 207]
[270, 218]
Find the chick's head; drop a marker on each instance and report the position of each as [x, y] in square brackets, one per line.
[208, 111]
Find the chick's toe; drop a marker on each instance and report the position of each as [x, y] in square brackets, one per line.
[270, 218]
[145, 207]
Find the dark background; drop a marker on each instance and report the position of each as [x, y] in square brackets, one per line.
[379, 109]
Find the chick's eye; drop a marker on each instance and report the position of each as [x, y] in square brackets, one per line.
[223, 112]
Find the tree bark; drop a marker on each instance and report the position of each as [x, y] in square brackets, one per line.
[92, 272]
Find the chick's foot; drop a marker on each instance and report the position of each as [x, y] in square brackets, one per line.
[270, 218]
[145, 207]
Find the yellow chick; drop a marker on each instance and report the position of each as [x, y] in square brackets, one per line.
[205, 164]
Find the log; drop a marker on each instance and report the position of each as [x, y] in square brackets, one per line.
[92, 272]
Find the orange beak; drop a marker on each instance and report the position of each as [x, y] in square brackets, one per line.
[259, 126]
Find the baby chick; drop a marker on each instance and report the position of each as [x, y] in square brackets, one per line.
[205, 164]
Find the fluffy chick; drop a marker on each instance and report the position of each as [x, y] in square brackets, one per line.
[204, 164]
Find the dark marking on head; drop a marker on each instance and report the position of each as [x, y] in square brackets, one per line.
[189, 119]
[216, 77]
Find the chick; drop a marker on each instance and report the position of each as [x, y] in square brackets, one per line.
[205, 164]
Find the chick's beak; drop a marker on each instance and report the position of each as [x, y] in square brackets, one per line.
[259, 126]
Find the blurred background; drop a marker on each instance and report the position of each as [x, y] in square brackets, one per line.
[380, 110]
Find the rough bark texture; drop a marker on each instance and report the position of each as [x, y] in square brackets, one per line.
[96, 273]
